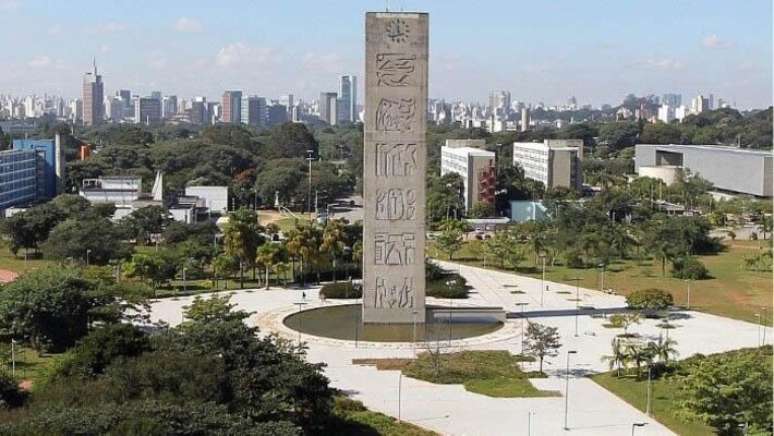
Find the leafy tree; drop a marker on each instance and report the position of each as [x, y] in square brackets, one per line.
[103, 346]
[619, 135]
[444, 197]
[541, 341]
[214, 308]
[156, 267]
[333, 242]
[97, 239]
[482, 209]
[291, 140]
[449, 240]
[281, 176]
[53, 307]
[625, 320]
[224, 266]
[728, 390]
[650, 300]
[689, 267]
[146, 221]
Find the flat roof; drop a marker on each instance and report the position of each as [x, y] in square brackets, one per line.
[712, 148]
[468, 151]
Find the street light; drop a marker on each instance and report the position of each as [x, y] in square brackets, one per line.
[567, 387]
[522, 304]
[577, 300]
[638, 424]
[542, 278]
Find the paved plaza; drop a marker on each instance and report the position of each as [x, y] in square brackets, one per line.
[450, 409]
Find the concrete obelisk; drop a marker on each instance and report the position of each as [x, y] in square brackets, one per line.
[394, 158]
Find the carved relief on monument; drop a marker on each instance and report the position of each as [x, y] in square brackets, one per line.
[393, 293]
[394, 249]
[396, 204]
[396, 160]
[395, 115]
[395, 69]
[397, 31]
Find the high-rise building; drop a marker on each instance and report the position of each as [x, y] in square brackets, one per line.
[253, 111]
[198, 114]
[699, 104]
[288, 101]
[277, 114]
[348, 98]
[328, 107]
[500, 103]
[93, 94]
[554, 162]
[169, 106]
[672, 100]
[476, 166]
[147, 110]
[232, 107]
[114, 108]
[524, 119]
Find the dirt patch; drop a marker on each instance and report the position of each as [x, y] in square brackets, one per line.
[7, 276]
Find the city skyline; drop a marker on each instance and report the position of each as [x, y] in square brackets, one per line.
[567, 49]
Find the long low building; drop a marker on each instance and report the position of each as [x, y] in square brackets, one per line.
[729, 169]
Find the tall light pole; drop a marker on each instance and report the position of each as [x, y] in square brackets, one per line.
[88, 252]
[522, 304]
[638, 424]
[567, 387]
[310, 159]
[542, 278]
[650, 389]
[577, 300]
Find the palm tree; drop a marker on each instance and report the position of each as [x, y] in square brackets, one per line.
[618, 358]
[665, 349]
[333, 242]
[267, 256]
[241, 237]
[639, 354]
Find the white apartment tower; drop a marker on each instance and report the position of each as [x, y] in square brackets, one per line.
[554, 162]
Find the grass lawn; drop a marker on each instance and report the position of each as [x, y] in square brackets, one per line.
[665, 393]
[17, 264]
[731, 292]
[492, 373]
[31, 366]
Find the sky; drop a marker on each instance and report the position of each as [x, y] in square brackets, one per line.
[540, 51]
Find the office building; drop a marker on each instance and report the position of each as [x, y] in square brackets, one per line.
[348, 99]
[33, 169]
[93, 95]
[147, 110]
[500, 103]
[114, 108]
[215, 197]
[198, 113]
[289, 102]
[232, 107]
[254, 112]
[730, 169]
[328, 107]
[666, 113]
[476, 167]
[50, 154]
[554, 162]
[524, 119]
[672, 100]
[699, 104]
[277, 114]
[169, 106]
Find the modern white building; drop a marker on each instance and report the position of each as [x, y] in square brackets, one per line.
[476, 167]
[215, 197]
[554, 162]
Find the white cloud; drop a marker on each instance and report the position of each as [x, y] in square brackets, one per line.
[39, 62]
[240, 53]
[664, 64]
[714, 41]
[9, 5]
[188, 25]
[111, 27]
[328, 63]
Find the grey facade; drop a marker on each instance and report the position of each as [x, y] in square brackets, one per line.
[348, 99]
[254, 112]
[730, 169]
[394, 161]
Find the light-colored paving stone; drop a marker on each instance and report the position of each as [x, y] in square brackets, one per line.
[449, 409]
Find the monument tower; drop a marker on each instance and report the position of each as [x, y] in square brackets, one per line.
[394, 158]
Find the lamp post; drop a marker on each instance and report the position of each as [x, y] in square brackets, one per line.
[309, 158]
[649, 389]
[567, 387]
[522, 304]
[602, 282]
[88, 252]
[577, 300]
[638, 424]
[542, 278]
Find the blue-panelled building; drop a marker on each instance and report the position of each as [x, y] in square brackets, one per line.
[31, 170]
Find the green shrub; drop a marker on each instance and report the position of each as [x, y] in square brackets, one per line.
[341, 290]
[10, 394]
[689, 268]
[447, 286]
[649, 299]
[346, 404]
